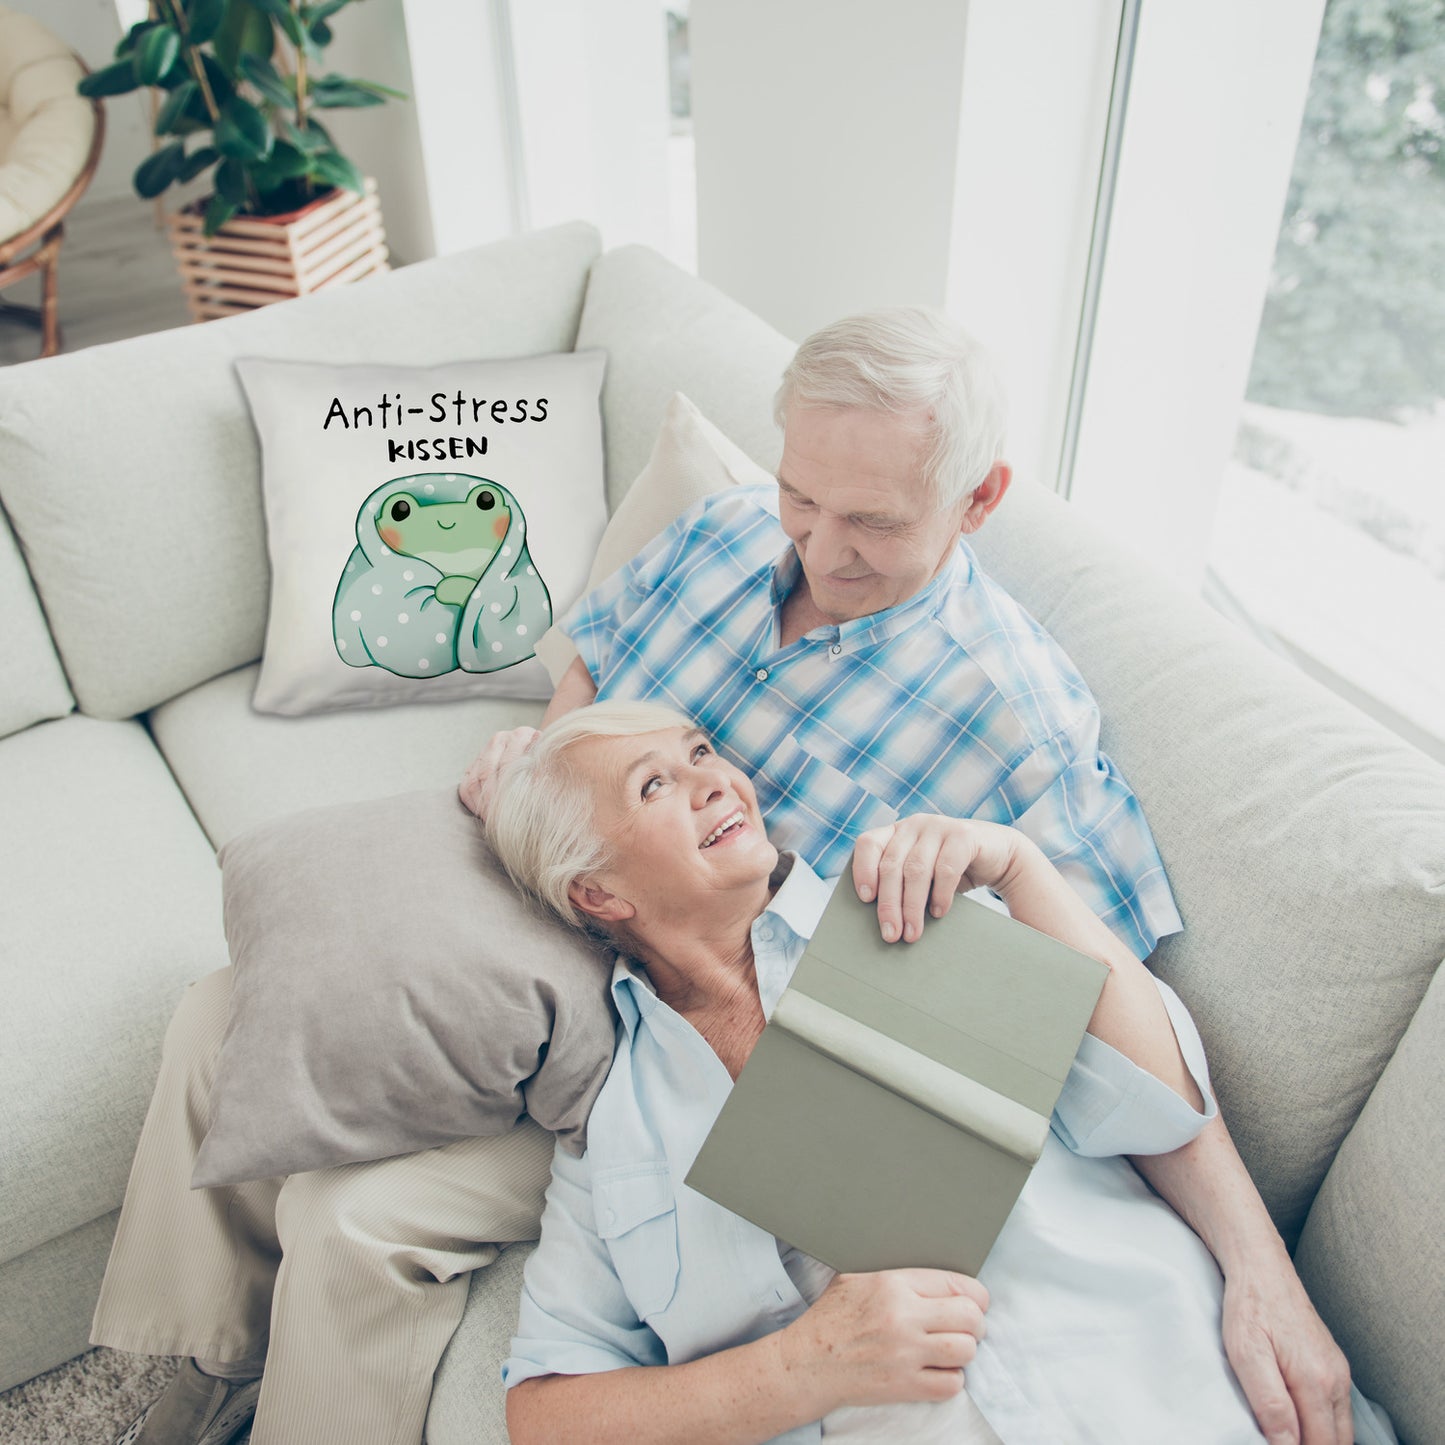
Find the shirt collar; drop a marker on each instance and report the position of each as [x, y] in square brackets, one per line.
[878, 626]
[780, 932]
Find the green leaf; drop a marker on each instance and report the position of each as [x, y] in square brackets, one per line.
[174, 109]
[117, 79]
[332, 92]
[333, 168]
[242, 132]
[244, 31]
[157, 52]
[203, 19]
[197, 161]
[157, 171]
[278, 89]
[377, 88]
[131, 38]
[222, 85]
[287, 162]
[218, 212]
[324, 11]
[231, 182]
[285, 17]
[313, 140]
[320, 35]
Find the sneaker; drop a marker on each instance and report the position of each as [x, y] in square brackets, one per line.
[195, 1409]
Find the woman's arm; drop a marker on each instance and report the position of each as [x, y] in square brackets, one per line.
[917, 865]
[903, 1334]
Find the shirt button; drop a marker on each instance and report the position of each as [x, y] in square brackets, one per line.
[761, 674]
[836, 648]
[765, 933]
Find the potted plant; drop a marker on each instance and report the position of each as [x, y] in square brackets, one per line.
[239, 85]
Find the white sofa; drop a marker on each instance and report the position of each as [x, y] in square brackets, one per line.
[1306, 846]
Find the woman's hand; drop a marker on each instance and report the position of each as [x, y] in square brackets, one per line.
[918, 864]
[475, 788]
[897, 1335]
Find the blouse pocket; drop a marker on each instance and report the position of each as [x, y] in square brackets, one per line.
[637, 1217]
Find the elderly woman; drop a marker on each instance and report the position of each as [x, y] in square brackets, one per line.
[653, 1314]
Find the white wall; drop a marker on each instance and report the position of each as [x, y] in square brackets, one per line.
[827, 146]
[593, 115]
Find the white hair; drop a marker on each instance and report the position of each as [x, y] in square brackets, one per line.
[542, 820]
[908, 360]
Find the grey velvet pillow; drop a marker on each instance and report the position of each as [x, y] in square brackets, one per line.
[393, 992]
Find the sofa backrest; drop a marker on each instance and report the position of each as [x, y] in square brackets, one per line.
[666, 331]
[131, 472]
[1301, 839]
[32, 683]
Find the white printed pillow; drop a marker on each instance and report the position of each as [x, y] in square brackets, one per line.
[425, 524]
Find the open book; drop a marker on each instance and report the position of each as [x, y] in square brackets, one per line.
[892, 1109]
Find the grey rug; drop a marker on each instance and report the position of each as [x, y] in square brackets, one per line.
[86, 1402]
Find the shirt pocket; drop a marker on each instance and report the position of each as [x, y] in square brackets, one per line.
[636, 1212]
[819, 810]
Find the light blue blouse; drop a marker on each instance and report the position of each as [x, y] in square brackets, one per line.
[1105, 1316]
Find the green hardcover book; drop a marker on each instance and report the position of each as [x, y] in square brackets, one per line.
[901, 1093]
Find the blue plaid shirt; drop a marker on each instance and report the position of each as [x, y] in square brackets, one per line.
[954, 702]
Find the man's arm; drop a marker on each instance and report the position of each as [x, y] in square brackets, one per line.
[576, 689]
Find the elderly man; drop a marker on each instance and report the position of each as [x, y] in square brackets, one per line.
[839, 641]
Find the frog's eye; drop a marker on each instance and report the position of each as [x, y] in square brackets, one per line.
[486, 501]
[399, 510]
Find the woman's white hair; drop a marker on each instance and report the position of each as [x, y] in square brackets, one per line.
[542, 819]
[908, 360]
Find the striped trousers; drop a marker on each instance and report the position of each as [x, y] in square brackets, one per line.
[349, 1281]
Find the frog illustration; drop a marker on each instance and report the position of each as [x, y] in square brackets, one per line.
[441, 578]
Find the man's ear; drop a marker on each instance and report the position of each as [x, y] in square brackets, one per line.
[986, 496]
[596, 902]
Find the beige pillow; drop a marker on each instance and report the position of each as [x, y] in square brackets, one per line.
[392, 992]
[691, 459]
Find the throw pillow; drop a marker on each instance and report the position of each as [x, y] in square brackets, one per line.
[424, 524]
[691, 459]
[393, 992]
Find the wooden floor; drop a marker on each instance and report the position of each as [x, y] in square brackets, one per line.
[117, 279]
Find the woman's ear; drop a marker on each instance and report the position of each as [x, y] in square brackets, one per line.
[596, 902]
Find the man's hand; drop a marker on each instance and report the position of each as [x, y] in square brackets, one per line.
[475, 788]
[1295, 1377]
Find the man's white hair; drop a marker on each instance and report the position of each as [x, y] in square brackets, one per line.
[542, 820]
[908, 360]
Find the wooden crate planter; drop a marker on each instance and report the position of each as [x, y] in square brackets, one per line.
[255, 260]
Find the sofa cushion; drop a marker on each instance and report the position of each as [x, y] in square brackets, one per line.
[1301, 840]
[32, 682]
[399, 574]
[110, 906]
[239, 768]
[1372, 1254]
[664, 331]
[149, 441]
[468, 1404]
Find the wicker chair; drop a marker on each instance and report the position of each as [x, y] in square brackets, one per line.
[50, 140]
